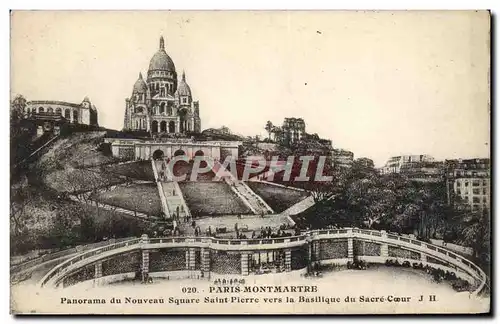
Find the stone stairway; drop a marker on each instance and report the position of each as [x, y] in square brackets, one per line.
[156, 165]
[173, 194]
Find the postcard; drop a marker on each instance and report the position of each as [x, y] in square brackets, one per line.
[250, 162]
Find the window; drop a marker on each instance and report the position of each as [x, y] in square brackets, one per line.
[75, 116]
[40, 109]
[184, 100]
[485, 182]
[458, 191]
[67, 114]
[475, 183]
[485, 199]
[484, 191]
[466, 183]
[58, 111]
[476, 191]
[475, 200]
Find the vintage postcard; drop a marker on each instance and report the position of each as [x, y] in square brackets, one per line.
[250, 162]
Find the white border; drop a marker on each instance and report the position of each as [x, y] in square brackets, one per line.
[191, 5]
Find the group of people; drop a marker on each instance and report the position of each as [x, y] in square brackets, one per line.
[269, 233]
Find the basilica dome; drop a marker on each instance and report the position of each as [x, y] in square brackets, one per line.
[140, 86]
[183, 88]
[161, 61]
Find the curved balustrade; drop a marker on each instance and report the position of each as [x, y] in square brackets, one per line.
[60, 268]
[281, 242]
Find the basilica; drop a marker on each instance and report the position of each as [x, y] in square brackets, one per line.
[162, 104]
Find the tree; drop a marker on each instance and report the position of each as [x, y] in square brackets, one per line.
[475, 233]
[278, 134]
[17, 108]
[19, 200]
[269, 128]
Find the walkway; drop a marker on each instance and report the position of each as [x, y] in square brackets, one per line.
[299, 207]
[173, 202]
[111, 208]
[454, 247]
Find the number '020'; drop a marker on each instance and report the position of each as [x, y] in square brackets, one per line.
[188, 290]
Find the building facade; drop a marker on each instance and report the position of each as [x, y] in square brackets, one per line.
[162, 103]
[396, 163]
[342, 158]
[293, 130]
[365, 162]
[84, 113]
[469, 180]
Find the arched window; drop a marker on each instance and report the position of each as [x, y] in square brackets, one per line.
[40, 109]
[58, 111]
[171, 127]
[162, 108]
[67, 114]
[75, 116]
[154, 126]
[50, 110]
[169, 111]
[33, 110]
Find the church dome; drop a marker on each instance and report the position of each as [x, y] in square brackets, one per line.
[183, 88]
[140, 86]
[161, 61]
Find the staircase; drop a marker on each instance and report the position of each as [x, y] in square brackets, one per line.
[163, 199]
[256, 204]
[173, 194]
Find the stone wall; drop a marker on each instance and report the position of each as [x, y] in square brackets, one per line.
[167, 260]
[225, 262]
[366, 248]
[126, 262]
[333, 249]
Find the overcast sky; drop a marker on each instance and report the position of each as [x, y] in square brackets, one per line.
[376, 83]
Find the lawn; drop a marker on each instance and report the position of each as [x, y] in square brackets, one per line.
[278, 198]
[212, 199]
[140, 170]
[186, 168]
[142, 197]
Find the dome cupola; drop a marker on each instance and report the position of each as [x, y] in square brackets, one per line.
[140, 86]
[183, 89]
[161, 61]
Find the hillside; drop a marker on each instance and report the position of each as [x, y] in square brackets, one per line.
[42, 213]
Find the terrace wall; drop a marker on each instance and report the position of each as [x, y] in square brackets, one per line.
[222, 256]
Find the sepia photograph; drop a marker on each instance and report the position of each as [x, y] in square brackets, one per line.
[250, 162]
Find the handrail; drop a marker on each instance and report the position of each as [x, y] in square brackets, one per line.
[85, 255]
[431, 249]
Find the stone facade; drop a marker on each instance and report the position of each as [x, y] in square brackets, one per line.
[161, 103]
[84, 113]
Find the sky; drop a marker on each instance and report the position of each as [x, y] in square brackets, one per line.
[379, 84]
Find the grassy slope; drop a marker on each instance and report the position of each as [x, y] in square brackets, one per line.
[141, 197]
[48, 176]
[278, 198]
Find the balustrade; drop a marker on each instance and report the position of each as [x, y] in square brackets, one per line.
[306, 238]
